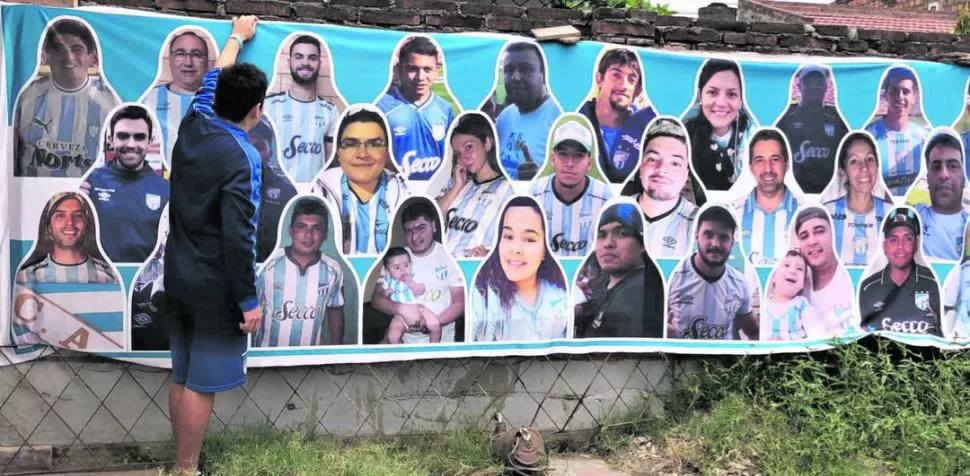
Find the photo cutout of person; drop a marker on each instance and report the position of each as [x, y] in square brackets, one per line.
[277, 189]
[962, 124]
[902, 295]
[619, 110]
[476, 186]
[899, 127]
[857, 200]
[719, 124]
[709, 298]
[814, 126]
[306, 289]
[428, 271]
[830, 291]
[185, 56]
[945, 218]
[361, 184]
[66, 294]
[787, 313]
[420, 107]
[619, 290]
[665, 188]
[519, 292]
[569, 187]
[523, 108]
[149, 320]
[955, 323]
[59, 113]
[768, 210]
[128, 194]
[303, 102]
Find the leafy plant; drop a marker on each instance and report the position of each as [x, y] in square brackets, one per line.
[644, 5]
[963, 21]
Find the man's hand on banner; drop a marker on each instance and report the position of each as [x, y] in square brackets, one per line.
[244, 27]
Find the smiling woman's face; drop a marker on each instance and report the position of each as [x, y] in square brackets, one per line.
[523, 244]
[721, 100]
[362, 151]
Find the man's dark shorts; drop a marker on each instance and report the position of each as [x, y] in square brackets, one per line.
[206, 358]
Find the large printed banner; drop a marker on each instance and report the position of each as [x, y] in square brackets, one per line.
[456, 195]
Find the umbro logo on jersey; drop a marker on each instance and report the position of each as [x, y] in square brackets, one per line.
[400, 130]
[669, 240]
[287, 118]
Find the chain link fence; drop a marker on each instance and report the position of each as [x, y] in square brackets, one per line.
[78, 412]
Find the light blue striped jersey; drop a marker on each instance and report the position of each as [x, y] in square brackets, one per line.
[295, 301]
[303, 129]
[57, 132]
[787, 320]
[900, 153]
[669, 235]
[400, 292]
[418, 132]
[764, 235]
[942, 235]
[80, 306]
[545, 320]
[365, 224]
[857, 235]
[961, 323]
[169, 108]
[470, 222]
[531, 129]
[702, 309]
[571, 227]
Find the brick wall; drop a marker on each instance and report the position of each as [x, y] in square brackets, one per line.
[764, 34]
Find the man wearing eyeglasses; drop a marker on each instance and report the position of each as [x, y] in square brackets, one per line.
[904, 296]
[188, 61]
[358, 185]
[766, 213]
[127, 193]
[570, 197]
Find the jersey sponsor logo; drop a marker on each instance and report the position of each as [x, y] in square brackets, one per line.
[759, 259]
[104, 194]
[909, 327]
[806, 151]
[56, 155]
[153, 201]
[400, 130]
[291, 310]
[457, 223]
[700, 329]
[412, 164]
[560, 243]
[438, 131]
[298, 146]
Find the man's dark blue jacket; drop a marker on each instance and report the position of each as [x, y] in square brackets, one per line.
[210, 256]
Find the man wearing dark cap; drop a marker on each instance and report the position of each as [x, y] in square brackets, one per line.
[814, 130]
[626, 298]
[710, 299]
[831, 295]
[904, 296]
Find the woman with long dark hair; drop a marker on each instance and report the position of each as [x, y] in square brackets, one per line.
[857, 215]
[718, 125]
[520, 291]
[476, 189]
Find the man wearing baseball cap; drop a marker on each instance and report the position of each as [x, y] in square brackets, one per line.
[570, 197]
[626, 298]
[904, 296]
[814, 130]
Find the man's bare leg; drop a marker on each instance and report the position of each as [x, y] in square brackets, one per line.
[192, 418]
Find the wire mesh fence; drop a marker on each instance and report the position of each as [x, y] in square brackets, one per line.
[77, 412]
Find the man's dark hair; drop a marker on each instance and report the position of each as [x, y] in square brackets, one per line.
[768, 135]
[239, 89]
[531, 47]
[69, 27]
[419, 209]
[394, 252]
[362, 115]
[717, 214]
[135, 112]
[897, 74]
[622, 57]
[418, 45]
[305, 40]
[311, 206]
[945, 140]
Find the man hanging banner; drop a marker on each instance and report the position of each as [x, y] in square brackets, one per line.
[456, 195]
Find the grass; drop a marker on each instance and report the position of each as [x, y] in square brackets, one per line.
[878, 408]
[262, 451]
